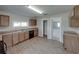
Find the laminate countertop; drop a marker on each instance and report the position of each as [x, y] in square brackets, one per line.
[20, 30]
[71, 33]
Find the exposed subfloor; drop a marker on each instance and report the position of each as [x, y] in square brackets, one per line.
[38, 45]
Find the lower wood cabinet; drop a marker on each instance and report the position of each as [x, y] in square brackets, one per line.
[21, 36]
[71, 42]
[35, 32]
[26, 35]
[0, 37]
[8, 39]
[15, 38]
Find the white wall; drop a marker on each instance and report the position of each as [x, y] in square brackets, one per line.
[49, 27]
[64, 24]
[40, 27]
[13, 18]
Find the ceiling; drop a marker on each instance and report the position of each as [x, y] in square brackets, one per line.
[47, 9]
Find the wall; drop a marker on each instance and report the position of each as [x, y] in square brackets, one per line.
[64, 24]
[13, 18]
[40, 27]
[49, 27]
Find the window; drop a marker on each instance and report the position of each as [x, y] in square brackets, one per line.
[58, 24]
[20, 24]
[16, 24]
[23, 24]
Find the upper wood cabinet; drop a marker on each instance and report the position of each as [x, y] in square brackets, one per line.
[4, 20]
[32, 22]
[74, 22]
[76, 11]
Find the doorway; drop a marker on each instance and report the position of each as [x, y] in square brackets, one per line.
[56, 29]
[45, 28]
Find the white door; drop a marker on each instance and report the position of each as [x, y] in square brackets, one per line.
[56, 29]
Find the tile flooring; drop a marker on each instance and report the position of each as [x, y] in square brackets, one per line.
[38, 45]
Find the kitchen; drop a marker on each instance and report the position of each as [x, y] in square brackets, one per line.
[24, 31]
[19, 31]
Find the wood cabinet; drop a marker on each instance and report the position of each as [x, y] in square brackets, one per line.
[21, 36]
[0, 37]
[32, 22]
[12, 38]
[7, 38]
[76, 11]
[26, 35]
[35, 32]
[71, 42]
[4, 20]
[74, 22]
[15, 38]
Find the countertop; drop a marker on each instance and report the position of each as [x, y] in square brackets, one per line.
[9, 31]
[71, 33]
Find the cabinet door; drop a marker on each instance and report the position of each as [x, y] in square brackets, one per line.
[26, 35]
[74, 22]
[8, 39]
[71, 43]
[4, 21]
[15, 38]
[0, 37]
[35, 32]
[76, 11]
[75, 44]
[21, 36]
[68, 43]
[32, 22]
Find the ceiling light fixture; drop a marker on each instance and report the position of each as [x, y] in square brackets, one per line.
[35, 9]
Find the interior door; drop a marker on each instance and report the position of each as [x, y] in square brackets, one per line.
[57, 29]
